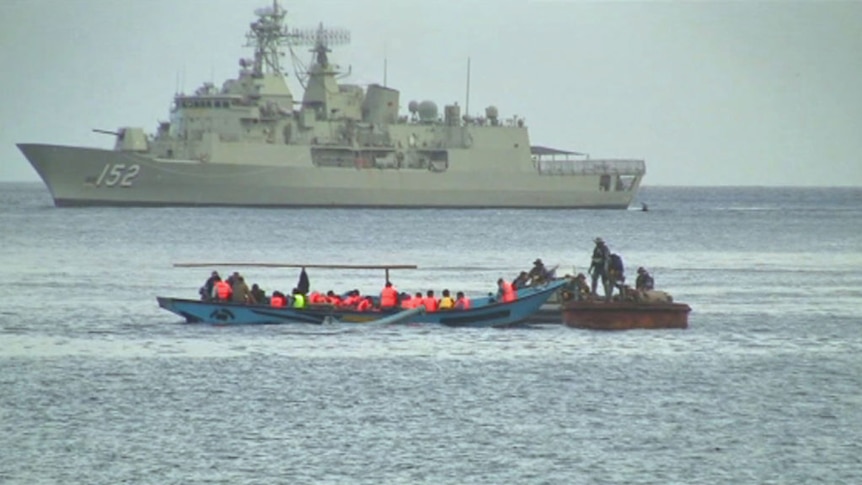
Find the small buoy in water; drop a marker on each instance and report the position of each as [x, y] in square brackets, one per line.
[644, 207]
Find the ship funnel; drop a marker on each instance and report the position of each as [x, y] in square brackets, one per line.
[452, 113]
[380, 104]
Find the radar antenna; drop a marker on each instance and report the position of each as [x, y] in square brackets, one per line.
[268, 33]
[320, 39]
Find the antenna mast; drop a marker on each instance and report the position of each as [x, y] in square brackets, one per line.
[385, 59]
[267, 35]
[467, 104]
[320, 39]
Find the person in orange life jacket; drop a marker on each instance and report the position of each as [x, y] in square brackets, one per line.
[461, 301]
[430, 302]
[353, 299]
[415, 300]
[446, 301]
[365, 304]
[388, 296]
[223, 290]
[332, 298]
[505, 291]
[406, 301]
[316, 298]
[277, 299]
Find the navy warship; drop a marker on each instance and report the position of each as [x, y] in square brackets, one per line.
[251, 142]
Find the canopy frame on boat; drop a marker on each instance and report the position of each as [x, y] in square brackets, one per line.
[385, 267]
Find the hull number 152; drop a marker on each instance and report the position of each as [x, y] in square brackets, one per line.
[118, 175]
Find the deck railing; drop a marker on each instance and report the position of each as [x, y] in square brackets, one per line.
[607, 166]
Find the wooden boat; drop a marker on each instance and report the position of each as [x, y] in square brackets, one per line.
[485, 312]
[624, 315]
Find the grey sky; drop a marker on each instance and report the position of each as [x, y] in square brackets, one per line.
[724, 93]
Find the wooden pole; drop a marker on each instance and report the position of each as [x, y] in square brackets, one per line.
[386, 267]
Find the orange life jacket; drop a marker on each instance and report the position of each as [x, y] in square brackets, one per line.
[430, 304]
[508, 292]
[407, 303]
[388, 297]
[223, 290]
[276, 301]
[363, 305]
[462, 304]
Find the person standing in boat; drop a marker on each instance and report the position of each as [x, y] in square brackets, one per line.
[616, 273]
[599, 266]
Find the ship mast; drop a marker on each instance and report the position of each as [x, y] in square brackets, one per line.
[268, 33]
[320, 39]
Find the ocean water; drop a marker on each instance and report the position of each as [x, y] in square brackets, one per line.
[100, 386]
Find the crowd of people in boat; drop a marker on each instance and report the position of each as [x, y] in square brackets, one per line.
[234, 289]
[605, 267]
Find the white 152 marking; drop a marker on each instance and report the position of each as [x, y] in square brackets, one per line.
[118, 174]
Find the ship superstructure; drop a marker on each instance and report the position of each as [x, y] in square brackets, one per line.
[252, 142]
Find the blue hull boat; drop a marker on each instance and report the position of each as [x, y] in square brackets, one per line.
[485, 312]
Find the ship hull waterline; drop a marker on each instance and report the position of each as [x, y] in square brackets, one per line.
[78, 176]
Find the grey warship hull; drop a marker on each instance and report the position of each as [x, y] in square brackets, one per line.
[251, 142]
[79, 176]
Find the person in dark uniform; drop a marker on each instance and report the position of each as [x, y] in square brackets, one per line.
[539, 274]
[644, 280]
[581, 288]
[599, 266]
[258, 296]
[207, 290]
[521, 281]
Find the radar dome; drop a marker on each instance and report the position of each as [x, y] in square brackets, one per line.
[427, 111]
[413, 107]
[491, 112]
